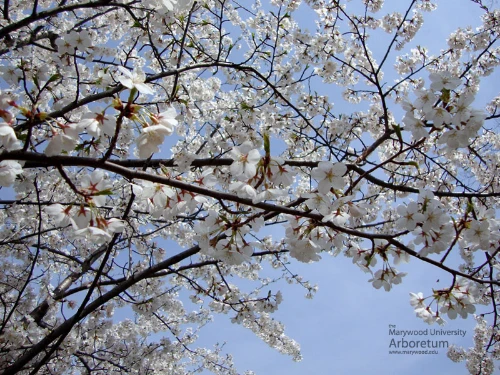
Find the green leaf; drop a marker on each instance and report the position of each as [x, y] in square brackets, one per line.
[368, 259]
[445, 96]
[246, 107]
[177, 88]
[414, 163]
[267, 144]
[55, 77]
[397, 129]
[165, 170]
[80, 147]
[470, 207]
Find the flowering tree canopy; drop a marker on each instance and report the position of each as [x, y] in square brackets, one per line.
[254, 136]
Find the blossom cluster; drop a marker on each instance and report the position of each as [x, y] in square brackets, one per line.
[456, 301]
[477, 358]
[86, 219]
[203, 149]
[437, 109]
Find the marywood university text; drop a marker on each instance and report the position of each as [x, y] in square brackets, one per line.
[419, 343]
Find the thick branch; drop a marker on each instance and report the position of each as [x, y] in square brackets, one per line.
[34, 160]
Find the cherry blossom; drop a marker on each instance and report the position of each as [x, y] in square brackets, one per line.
[280, 174]
[416, 126]
[410, 216]
[462, 109]
[158, 196]
[245, 159]
[94, 234]
[96, 186]
[97, 123]
[319, 202]
[166, 119]
[269, 194]
[8, 137]
[287, 144]
[305, 251]
[439, 117]
[82, 218]
[425, 100]
[64, 46]
[386, 278]
[478, 232]
[444, 80]
[150, 139]
[207, 178]
[64, 139]
[417, 300]
[243, 190]
[60, 213]
[134, 80]
[329, 175]
[427, 315]
[112, 225]
[169, 4]
[232, 253]
[9, 170]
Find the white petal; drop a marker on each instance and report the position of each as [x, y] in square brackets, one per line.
[143, 88]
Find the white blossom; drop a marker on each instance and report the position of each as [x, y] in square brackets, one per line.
[286, 144]
[245, 162]
[150, 139]
[134, 80]
[8, 137]
[9, 170]
[444, 80]
[329, 175]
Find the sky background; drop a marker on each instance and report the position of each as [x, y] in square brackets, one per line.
[344, 329]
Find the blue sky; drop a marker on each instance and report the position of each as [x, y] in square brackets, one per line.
[345, 328]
